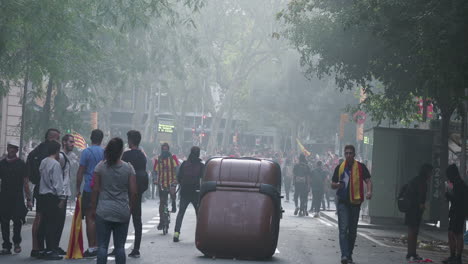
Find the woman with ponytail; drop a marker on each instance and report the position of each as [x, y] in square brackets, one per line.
[116, 188]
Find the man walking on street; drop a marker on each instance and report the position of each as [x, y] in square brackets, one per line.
[456, 190]
[189, 177]
[33, 163]
[349, 178]
[301, 173]
[65, 159]
[14, 181]
[137, 158]
[418, 187]
[52, 197]
[165, 167]
[319, 176]
[88, 161]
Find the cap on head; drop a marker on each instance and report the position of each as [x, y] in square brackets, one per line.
[13, 143]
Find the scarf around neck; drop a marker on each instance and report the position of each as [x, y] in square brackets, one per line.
[356, 186]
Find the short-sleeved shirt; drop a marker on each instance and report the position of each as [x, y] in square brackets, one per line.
[89, 159]
[113, 204]
[136, 158]
[365, 175]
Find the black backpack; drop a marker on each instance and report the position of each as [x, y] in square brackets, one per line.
[34, 162]
[404, 202]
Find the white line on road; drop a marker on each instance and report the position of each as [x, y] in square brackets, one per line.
[153, 222]
[149, 226]
[359, 233]
[325, 223]
[277, 251]
[128, 245]
[144, 231]
[130, 237]
[156, 218]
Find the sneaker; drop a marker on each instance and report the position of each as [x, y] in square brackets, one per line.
[112, 253]
[90, 255]
[296, 211]
[36, 253]
[176, 236]
[51, 255]
[344, 260]
[17, 248]
[350, 260]
[60, 251]
[306, 213]
[5, 251]
[414, 258]
[134, 254]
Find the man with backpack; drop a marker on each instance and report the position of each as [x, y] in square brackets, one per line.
[65, 157]
[456, 194]
[189, 177]
[137, 159]
[33, 163]
[90, 157]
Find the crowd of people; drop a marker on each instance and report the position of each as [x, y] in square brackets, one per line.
[111, 183]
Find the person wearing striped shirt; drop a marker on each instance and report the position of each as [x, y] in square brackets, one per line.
[165, 167]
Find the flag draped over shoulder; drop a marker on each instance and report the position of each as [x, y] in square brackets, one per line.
[303, 149]
[356, 186]
[75, 244]
[80, 142]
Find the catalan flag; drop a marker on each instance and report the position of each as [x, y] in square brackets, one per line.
[75, 244]
[303, 149]
[80, 142]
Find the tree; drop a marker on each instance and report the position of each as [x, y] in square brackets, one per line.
[414, 48]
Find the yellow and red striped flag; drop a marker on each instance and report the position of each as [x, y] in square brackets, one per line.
[75, 244]
[80, 142]
[303, 149]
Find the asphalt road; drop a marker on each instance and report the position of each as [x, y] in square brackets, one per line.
[302, 240]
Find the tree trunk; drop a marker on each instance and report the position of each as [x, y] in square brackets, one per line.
[150, 120]
[23, 110]
[213, 140]
[47, 105]
[227, 127]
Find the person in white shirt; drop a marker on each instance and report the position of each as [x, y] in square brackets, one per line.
[53, 196]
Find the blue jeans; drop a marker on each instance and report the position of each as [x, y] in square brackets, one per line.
[119, 232]
[348, 217]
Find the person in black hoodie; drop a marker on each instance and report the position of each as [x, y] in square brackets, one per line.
[189, 176]
[456, 191]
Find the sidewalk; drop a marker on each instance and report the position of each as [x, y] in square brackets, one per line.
[426, 232]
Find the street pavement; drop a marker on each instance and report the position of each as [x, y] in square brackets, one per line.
[302, 240]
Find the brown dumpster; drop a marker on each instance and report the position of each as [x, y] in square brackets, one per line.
[240, 208]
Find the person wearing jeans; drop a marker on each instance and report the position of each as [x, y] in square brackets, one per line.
[189, 177]
[137, 159]
[348, 179]
[112, 200]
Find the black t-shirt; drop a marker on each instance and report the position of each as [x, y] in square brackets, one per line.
[12, 176]
[136, 158]
[365, 175]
